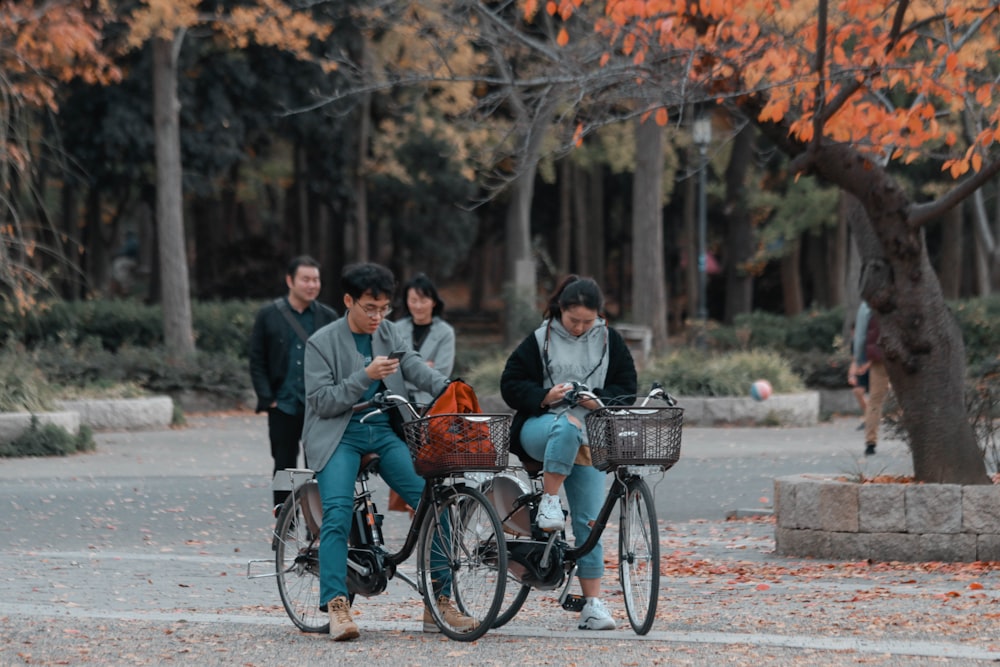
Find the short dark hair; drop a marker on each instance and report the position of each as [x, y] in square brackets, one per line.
[301, 260]
[367, 277]
[575, 291]
[423, 285]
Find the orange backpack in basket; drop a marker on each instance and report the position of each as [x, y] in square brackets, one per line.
[449, 437]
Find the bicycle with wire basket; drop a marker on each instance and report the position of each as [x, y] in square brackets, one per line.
[455, 530]
[626, 441]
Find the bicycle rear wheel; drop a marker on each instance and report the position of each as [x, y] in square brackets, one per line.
[639, 555]
[462, 557]
[296, 560]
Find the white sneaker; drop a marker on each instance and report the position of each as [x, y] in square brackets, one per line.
[550, 513]
[595, 616]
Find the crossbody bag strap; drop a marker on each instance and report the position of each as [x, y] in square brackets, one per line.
[287, 312]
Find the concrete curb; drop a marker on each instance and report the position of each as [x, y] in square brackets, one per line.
[13, 424]
[784, 409]
[126, 414]
[781, 409]
[827, 517]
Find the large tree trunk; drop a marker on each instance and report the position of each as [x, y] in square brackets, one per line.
[791, 278]
[649, 282]
[836, 262]
[520, 313]
[564, 233]
[582, 239]
[739, 230]
[924, 352]
[178, 333]
[950, 263]
[596, 223]
[689, 244]
[522, 283]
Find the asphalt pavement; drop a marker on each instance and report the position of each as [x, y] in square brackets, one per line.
[138, 554]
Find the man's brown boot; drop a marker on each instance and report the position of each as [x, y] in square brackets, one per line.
[342, 626]
[452, 616]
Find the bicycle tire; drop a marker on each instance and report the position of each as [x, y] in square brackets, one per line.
[296, 561]
[515, 593]
[639, 555]
[512, 603]
[461, 539]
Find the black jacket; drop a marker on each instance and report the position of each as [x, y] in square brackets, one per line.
[523, 383]
[269, 343]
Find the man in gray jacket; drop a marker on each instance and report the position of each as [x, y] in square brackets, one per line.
[346, 363]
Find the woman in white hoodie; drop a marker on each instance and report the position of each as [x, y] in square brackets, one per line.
[573, 344]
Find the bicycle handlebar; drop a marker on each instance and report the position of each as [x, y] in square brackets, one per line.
[383, 401]
[581, 392]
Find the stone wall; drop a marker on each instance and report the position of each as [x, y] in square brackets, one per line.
[824, 517]
[122, 414]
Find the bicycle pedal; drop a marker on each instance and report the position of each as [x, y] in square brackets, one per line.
[574, 603]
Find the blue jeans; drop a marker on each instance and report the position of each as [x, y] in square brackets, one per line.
[555, 441]
[336, 487]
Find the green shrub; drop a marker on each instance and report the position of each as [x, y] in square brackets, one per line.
[224, 327]
[48, 440]
[979, 320]
[689, 372]
[814, 330]
[148, 368]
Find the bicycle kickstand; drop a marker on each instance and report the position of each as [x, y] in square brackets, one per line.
[570, 601]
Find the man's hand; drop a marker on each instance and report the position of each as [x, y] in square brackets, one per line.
[382, 367]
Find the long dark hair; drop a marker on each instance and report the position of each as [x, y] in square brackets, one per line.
[575, 291]
[423, 285]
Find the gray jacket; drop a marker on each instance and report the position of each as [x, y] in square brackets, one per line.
[336, 380]
[438, 346]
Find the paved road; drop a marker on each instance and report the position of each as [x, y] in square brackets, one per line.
[137, 554]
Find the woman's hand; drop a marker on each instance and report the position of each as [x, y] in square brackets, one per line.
[556, 394]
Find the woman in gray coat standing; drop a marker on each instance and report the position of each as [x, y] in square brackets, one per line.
[425, 331]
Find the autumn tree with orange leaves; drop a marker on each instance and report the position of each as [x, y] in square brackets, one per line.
[849, 90]
[43, 43]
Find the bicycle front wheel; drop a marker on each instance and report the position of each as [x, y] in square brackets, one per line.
[462, 563]
[297, 564]
[639, 555]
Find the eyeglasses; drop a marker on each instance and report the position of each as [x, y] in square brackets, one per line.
[374, 312]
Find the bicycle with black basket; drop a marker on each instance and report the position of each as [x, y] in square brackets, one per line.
[627, 441]
[455, 530]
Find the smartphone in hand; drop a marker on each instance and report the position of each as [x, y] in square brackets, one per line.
[398, 354]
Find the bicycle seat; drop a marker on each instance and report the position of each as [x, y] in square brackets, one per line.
[369, 462]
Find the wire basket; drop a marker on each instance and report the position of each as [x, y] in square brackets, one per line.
[453, 443]
[635, 436]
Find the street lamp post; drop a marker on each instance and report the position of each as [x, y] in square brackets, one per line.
[702, 135]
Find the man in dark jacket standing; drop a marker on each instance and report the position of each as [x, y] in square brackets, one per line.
[277, 354]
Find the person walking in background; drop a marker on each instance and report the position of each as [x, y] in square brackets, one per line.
[346, 363]
[573, 344]
[277, 353]
[857, 378]
[424, 330]
[867, 350]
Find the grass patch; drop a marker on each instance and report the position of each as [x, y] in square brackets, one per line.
[48, 440]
